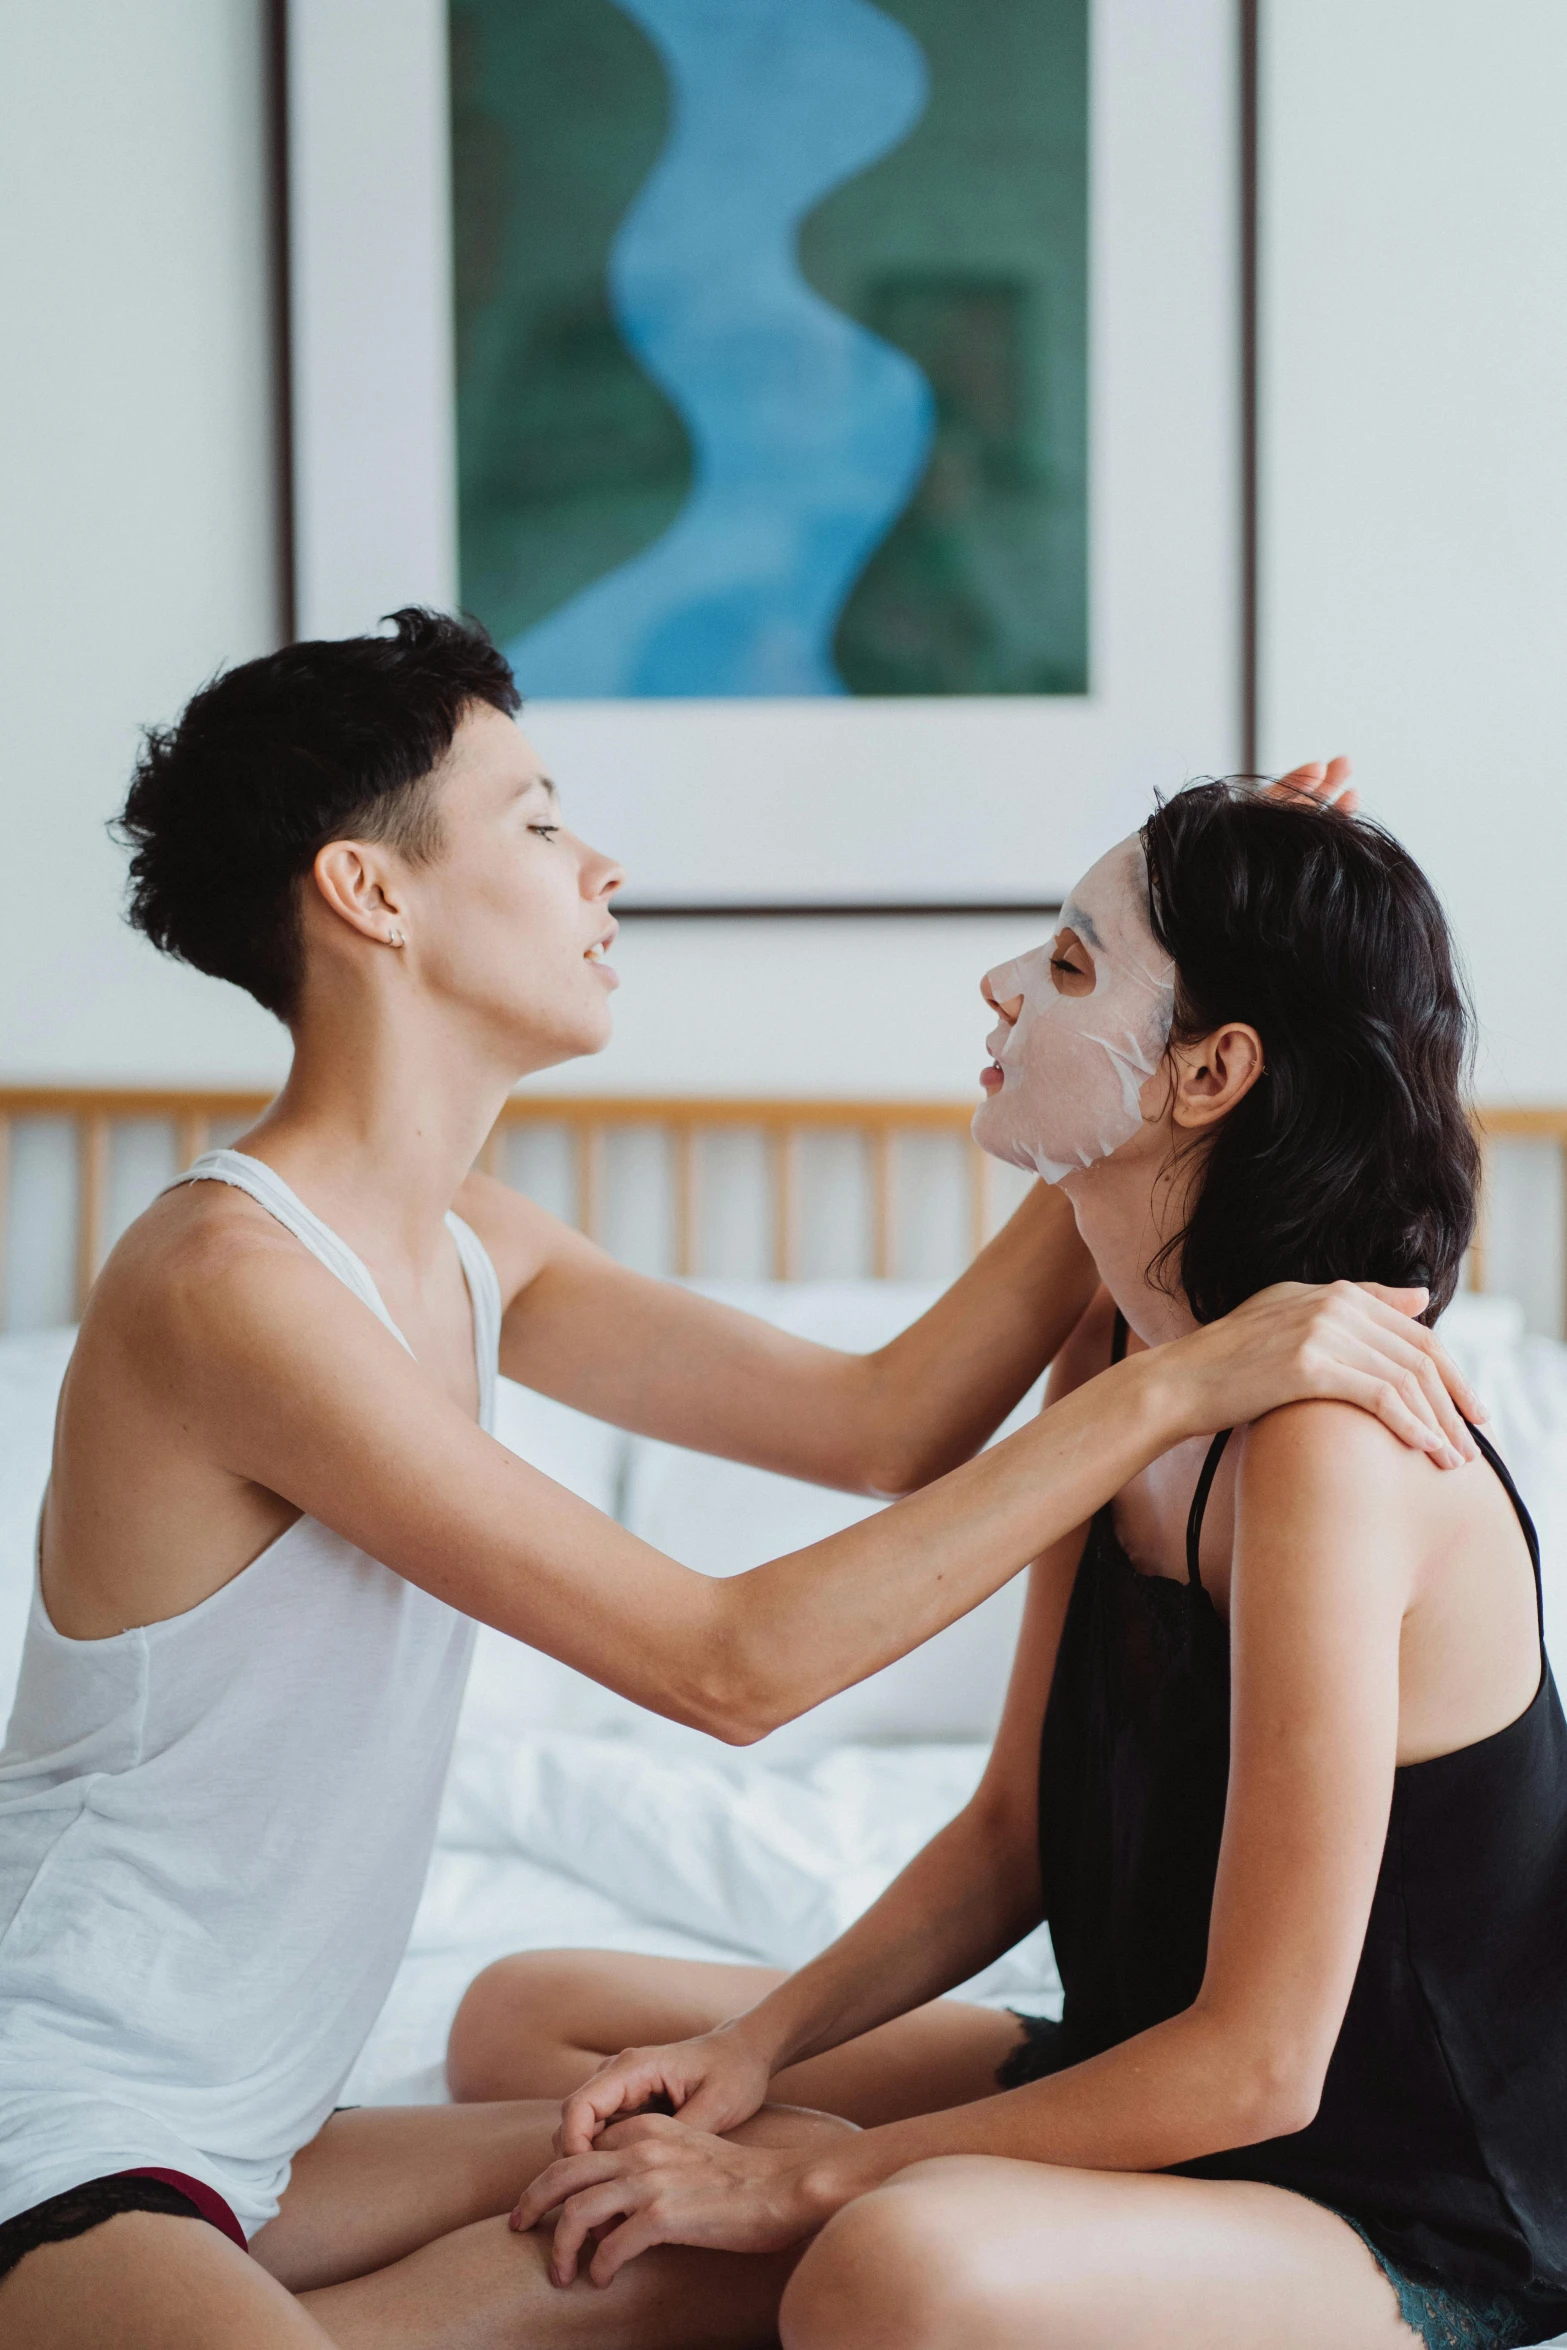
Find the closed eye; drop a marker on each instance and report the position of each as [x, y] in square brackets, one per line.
[1070, 967]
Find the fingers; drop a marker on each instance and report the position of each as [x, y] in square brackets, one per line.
[620, 2087]
[1415, 1372]
[1324, 780]
[1404, 1301]
[716, 2109]
[1337, 791]
[635, 2235]
[1469, 1403]
[1406, 1367]
[554, 2185]
[1388, 1403]
[1431, 1424]
[594, 2207]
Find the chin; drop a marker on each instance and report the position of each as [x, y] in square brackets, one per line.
[989, 1128]
[534, 1043]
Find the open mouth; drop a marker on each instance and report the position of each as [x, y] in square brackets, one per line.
[598, 953]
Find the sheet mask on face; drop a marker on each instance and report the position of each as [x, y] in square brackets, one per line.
[1074, 1065]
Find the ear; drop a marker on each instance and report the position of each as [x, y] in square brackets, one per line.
[357, 882]
[1213, 1074]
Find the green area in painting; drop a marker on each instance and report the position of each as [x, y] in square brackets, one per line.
[570, 460]
[968, 248]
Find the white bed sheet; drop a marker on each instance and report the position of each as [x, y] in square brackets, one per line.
[567, 1841]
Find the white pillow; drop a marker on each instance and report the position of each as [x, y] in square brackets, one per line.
[32, 1365]
[720, 1518]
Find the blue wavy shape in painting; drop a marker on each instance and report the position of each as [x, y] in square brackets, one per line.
[809, 435]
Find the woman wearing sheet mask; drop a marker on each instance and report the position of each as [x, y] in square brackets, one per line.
[1282, 1761]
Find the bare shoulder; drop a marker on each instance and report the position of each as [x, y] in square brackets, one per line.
[176, 1267]
[1325, 1453]
[1322, 1437]
[1321, 1458]
[192, 1282]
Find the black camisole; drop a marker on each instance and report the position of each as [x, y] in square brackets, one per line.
[1442, 2130]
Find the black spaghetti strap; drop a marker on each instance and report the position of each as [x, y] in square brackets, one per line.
[1118, 1341]
[1531, 1538]
[1200, 1503]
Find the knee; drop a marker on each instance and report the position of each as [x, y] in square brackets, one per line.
[886, 2273]
[797, 2126]
[519, 2003]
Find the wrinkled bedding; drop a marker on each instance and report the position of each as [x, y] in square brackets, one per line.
[590, 1842]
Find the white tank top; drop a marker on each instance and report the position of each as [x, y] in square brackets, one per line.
[213, 1835]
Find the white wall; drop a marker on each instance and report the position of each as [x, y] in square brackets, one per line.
[136, 489]
[1416, 496]
[1415, 449]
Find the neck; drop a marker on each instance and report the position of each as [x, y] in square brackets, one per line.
[1127, 1206]
[383, 1115]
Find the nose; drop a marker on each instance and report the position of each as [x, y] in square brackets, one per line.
[1008, 1006]
[601, 876]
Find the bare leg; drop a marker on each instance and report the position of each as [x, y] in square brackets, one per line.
[414, 2199]
[144, 2281]
[379, 2183]
[486, 2289]
[482, 2288]
[537, 2024]
[975, 2253]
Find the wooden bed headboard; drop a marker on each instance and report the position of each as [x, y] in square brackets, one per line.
[196, 1117]
[86, 1122]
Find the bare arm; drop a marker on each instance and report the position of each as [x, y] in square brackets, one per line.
[665, 1361]
[1324, 1570]
[968, 1896]
[282, 1381]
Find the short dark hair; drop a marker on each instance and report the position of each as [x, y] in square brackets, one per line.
[322, 741]
[1351, 1156]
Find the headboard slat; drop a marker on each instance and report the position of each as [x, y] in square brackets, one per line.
[782, 1123]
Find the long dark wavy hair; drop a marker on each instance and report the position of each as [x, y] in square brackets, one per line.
[1351, 1156]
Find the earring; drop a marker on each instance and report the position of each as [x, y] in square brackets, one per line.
[394, 938]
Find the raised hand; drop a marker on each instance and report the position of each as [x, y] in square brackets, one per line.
[1326, 780]
[1354, 1341]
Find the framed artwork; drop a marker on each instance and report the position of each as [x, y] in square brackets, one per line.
[832, 407]
[772, 344]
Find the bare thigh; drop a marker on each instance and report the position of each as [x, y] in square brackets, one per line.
[391, 2177]
[369, 2190]
[390, 2237]
[975, 2253]
[537, 2024]
[145, 2281]
[378, 2183]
